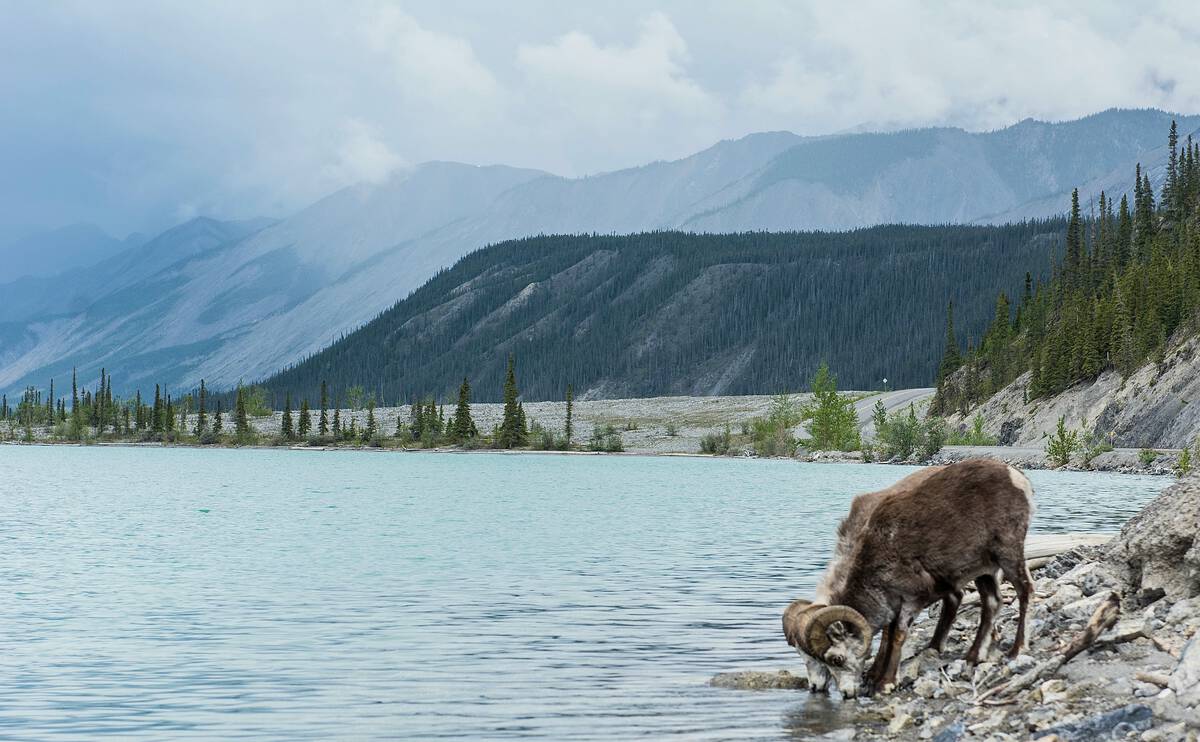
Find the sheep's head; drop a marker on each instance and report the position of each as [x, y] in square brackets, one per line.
[835, 639]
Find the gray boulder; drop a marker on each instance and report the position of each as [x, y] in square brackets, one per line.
[1158, 548]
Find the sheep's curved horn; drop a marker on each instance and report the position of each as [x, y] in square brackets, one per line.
[795, 621]
[816, 629]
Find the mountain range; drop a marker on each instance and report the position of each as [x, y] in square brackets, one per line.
[239, 302]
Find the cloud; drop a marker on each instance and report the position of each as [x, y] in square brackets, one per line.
[362, 156]
[431, 68]
[648, 74]
[981, 65]
[132, 114]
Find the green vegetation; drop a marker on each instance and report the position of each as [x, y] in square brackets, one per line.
[718, 444]
[605, 438]
[1147, 456]
[1063, 444]
[902, 435]
[1184, 464]
[973, 437]
[832, 420]
[1125, 284]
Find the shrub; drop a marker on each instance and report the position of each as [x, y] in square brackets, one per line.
[1147, 456]
[717, 444]
[902, 434]
[973, 437]
[672, 429]
[541, 439]
[1093, 446]
[606, 439]
[1184, 464]
[1063, 444]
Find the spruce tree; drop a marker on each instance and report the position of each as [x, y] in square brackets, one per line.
[305, 419]
[218, 424]
[337, 422]
[951, 357]
[286, 429]
[323, 421]
[462, 426]
[569, 428]
[157, 421]
[241, 424]
[201, 412]
[368, 434]
[510, 434]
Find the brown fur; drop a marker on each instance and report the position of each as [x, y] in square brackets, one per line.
[923, 539]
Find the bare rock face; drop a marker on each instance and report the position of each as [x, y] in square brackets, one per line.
[1159, 548]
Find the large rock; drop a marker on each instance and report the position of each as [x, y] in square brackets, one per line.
[1158, 548]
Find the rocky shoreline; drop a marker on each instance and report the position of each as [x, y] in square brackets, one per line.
[1114, 650]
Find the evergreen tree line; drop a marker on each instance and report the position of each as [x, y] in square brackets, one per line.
[100, 414]
[1125, 287]
[676, 313]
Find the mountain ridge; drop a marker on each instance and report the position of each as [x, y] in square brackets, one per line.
[288, 290]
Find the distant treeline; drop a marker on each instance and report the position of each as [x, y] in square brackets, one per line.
[1126, 288]
[668, 313]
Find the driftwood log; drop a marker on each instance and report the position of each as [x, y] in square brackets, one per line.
[1104, 618]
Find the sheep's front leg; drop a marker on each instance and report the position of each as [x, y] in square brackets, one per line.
[881, 657]
[899, 633]
[950, 605]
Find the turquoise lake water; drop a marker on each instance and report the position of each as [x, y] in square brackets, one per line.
[181, 593]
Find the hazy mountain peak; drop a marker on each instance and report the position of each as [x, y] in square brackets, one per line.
[226, 301]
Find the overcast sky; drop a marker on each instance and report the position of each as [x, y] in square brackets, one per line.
[136, 115]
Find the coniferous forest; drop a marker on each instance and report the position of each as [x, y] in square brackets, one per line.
[671, 313]
[1125, 288]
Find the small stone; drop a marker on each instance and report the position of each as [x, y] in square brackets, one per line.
[751, 680]
[926, 686]
[955, 669]
[927, 729]
[899, 722]
[1021, 663]
[1090, 578]
[1083, 609]
[1165, 733]
[1183, 610]
[1125, 631]
[1145, 690]
[1064, 595]
[1053, 691]
[952, 733]
[1128, 718]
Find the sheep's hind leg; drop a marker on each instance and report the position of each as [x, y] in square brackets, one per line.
[1017, 573]
[989, 602]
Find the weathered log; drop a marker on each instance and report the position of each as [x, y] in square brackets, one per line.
[1104, 618]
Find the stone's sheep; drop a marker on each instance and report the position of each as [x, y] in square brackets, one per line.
[904, 548]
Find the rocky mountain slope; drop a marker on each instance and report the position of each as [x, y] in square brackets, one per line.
[252, 307]
[1158, 406]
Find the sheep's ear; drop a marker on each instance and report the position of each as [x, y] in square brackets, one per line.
[836, 631]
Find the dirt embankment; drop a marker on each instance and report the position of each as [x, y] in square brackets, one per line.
[1130, 612]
